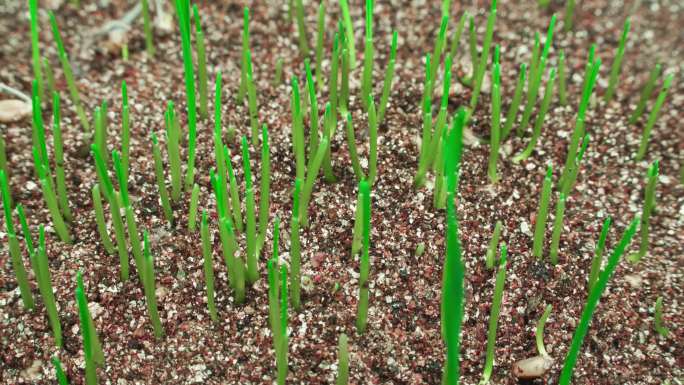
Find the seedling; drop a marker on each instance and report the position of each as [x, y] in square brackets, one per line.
[3, 161]
[569, 183]
[265, 187]
[362, 313]
[389, 75]
[295, 252]
[645, 93]
[131, 223]
[39, 262]
[541, 115]
[159, 176]
[252, 100]
[278, 309]
[61, 376]
[192, 213]
[440, 43]
[173, 149]
[649, 204]
[368, 53]
[100, 220]
[310, 178]
[569, 14]
[617, 63]
[542, 213]
[278, 77]
[557, 228]
[456, 38]
[490, 259]
[14, 250]
[592, 301]
[208, 266]
[301, 29]
[484, 57]
[297, 130]
[515, 103]
[147, 22]
[125, 130]
[598, 255]
[653, 116]
[150, 291]
[35, 46]
[59, 159]
[234, 192]
[92, 348]
[201, 65]
[494, 317]
[658, 318]
[495, 122]
[68, 73]
[252, 269]
[349, 30]
[343, 361]
[539, 331]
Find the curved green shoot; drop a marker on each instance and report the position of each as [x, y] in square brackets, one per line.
[282, 354]
[617, 63]
[653, 116]
[494, 317]
[440, 43]
[343, 361]
[539, 331]
[645, 93]
[61, 376]
[362, 311]
[658, 318]
[100, 220]
[68, 73]
[647, 210]
[598, 254]
[14, 249]
[592, 302]
[542, 214]
[490, 259]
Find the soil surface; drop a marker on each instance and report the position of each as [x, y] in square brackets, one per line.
[402, 344]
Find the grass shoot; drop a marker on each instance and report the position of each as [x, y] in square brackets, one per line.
[92, 348]
[39, 261]
[490, 259]
[597, 261]
[647, 210]
[192, 211]
[320, 41]
[617, 63]
[301, 29]
[562, 80]
[653, 116]
[484, 56]
[100, 220]
[173, 149]
[242, 91]
[658, 318]
[541, 115]
[362, 312]
[646, 93]
[201, 65]
[515, 103]
[494, 317]
[264, 187]
[539, 331]
[147, 25]
[557, 228]
[61, 376]
[159, 177]
[343, 360]
[295, 252]
[495, 124]
[35, 46]
[252, 268]
[542, 213]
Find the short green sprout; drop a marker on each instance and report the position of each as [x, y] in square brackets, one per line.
[658, 318]
[295, 252]
[598, 255]
[542, 213]
[490, 259]
[647, 210]
[617, 63]
[208, 266]
[557, 228]
[646, 93]
[539, 331]
[479, 71]
[653, 116]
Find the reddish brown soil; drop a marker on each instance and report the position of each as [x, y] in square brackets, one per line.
[402, 344]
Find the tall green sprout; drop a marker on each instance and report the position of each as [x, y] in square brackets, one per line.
[541, 115]
[440, 43]
[68, 74]
[349, 30]
[192, 210]
[309, 182]
[653, 116]
[490, 259]
[617, 63]
[201, 65]
[557, 228]
[494, 317]
[131, 223]
[252, 100]
[320, 41]
[592, 302]
[252, 268]
[598, 255]
[35, 46]
[149, 33]
[59, 159]
[569, 14]
[645, 93]
[343, 361]
[647, 210]
[242, 91]
[362, 312]
[368, 53]
[264, 187]
[125, 130]
[389, 75]
[39, 261]
[297, 131]
[295, 252]
[182, 11]
[278, 308]
[569, 182]
[92, 348]
[542, 213]
[495, 129]
[562, 80]
[484, 57]
[515, 103]
[100, 220]
[173, 148]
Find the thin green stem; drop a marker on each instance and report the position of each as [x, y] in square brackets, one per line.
[557, 228]
[653, 117]
[494, 317]
[647, 210]
[539, 331]
[100, 219]
[208, 267]
[598, 255]
[150, 291]
[192, 213]
[362, 312]
[490, 260]
[646, 93]
[542, 214]
[295, 252]
[617, 63]
[201, 65]
[149, 34]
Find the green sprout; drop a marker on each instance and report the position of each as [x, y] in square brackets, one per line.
[131, 223]
[345, 67]
[541, 115]
[494, 317]
[252, 99]
[542, 213]
[653, 116]
[39, 262]
[343, 361]
[125, 130]
[264, 187]
[617, 63]
[234, 192]
[590, 76]
[295, 252]
[100, 135]
[245, 49]
[313, 105]
[100, 219]
[59, 159]
[149, 34]
[472, 45]
[646, 93]
[14, 250]
[353, 153]
[35, 46]
[658, 318]
[362, 313]
[252, 268]
[515, 103]
[592, 302]
[192, 211]
[69, 73]
[456, 38]
[537, 69]
[647, 210]
[389, 75]
[349, 30]
[150, 291]
[495, 126]
[201, 65]
[278, 308]
[297, 131]
[309, 182]
[539, 331]
[301, 29]
[61, 376]
[173, 148]
[320, 40]
[208, 266]
[484, 57]
[490, 259]
[569, 14]
[330, 116]
[440, 43]
[182, 7]
[557, 228]
[562, 80]
[569, 182]
[598, 255]
[159, 176]
[92, 348]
